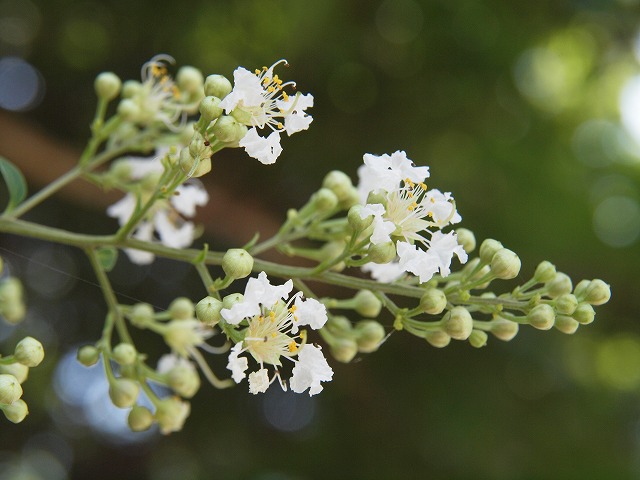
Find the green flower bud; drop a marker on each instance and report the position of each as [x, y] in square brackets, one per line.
[208, 311]
[181, 308]
[344, 349]
[131, 88]
[339, 183]
[339, 324]
[18, 370]
[183, 380]
[13, 312]
[381, 253]
[140, 418]
[107, 86]
[196, 168]
[171, 413]
[227, 129]
[231, 299]
[88, 355]
[597, 292]
[467, 239]
[488, 249]
[437, 339]
[189, 79]
[566, 324]
[376, 197]
[10, 389]
[324, 200]
[15, 412]
[29, 352]
[332, 250]
[351, 199]
[566, 304]
[580, 290]
[217, 86]
[129, 110]
[367, 304]
[433, 301]
[504, 329]
[369, 335]
[541, 316]
[209, 108]
[505, 264]
[1, 265]
[123, 392]
[478, 338]
[237, 263]
[141, 315]
[458, 323]
[187, 133]
[124, 354]
[121, 170]
[584, 313]
[545, 272]
[11, 291]
[560, 285]
[358, 224]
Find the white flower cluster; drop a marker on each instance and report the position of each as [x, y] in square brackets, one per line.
[405, 210]
[273, 321]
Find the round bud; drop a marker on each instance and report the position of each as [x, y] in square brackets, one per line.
[584, 313]
[332, 250]
[29, 352]
[478, 338]
[339, 324]
[129, 110]
[566, 324]
[208, 311]
[171, 413]
[131, 88]
[11, 291]
[566, 304]
[181, 309]
[184, 380]
[18, 370]
[504, 329]
[217, 86]
[339, 183]
[580, 289]
[193, 167]
[209, 108]
[228, 130]
[433, 301]
[15, 412]
[369, 335]
[324, 200]
[237, 263]
[10, 389]
[541, 317]
[381, 253]
[377, 197]
[505, 264]
[344, 349]
[351, 199]
[357, 223]
[88, 355]
[141, 315]
[560, 285]
[231, 299]
[189, 79]
[367, 304]
[598, 292]
[437, 339]
[458, 323]
[467, 239]
[124, 354]
[198, 146]
[545, 272]
[186, 134]
[123, 392]
[13, 312]
[107, 85]
[121, 170]
[488, 249]
[140, 418]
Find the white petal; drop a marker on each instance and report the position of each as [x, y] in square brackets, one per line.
[237, 364]
[309, 312]
[188, 197]
[311, 369]
[265, 150]
[259, 381]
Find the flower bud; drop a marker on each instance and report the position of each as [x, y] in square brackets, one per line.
[369, 335]
[541, 316]
[357, 223]
[171, 413]
[231, 299]
[107, 85]
[199, 147]
[129, 110]
[237, 263]
[193, 167]
[15, 412]
[208, 311]
[13, 312]
[433, 301]
[227, 129]
[560, 285]
[124, 354]
[377, 197]
[181, 308]
[88, 355]
[209, 108]
[351, 199]
[1, 265]
[10, 389]
[504, 329]
[11, 291]
[505, 264]
[29, 352]
[566, 304]
[131, 88]
[339, 183]
[367, 304]
[584, 313]
[467, 239]
[597, 292]
[344, 349]
[141, 315]
[184, 380]
[217, 86]
[566, 324]
[324, 200]
[478, 338]
[339, 324]
[18, 370]
[331, 250]
[580, 289]
[488, 249]
[458, 323]
[545, 272]
[381, 253]
[189, 79]
[123, 392]
[437, 339]
[140, 418]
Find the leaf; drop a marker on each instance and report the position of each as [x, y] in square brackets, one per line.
[16, 184]
[107, 256]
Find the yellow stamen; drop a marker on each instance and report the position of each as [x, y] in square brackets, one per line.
[293, 346]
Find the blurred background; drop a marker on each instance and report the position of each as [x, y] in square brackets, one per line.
[528, 112]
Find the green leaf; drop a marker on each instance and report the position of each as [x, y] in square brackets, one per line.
[15, 181]
[107, 256]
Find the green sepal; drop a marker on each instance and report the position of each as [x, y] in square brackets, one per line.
[16, 184]
[107, 257]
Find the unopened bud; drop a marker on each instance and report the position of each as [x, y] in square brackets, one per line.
[88, 355]
[16, 411]
[29, 352]
[437, 339]
[367, 304]
[433, 301]
[13, 312]
[227, 129]
[231, 299]
[505, 264]
[171, 414]
[458, 323]
[344, 349]
[123, 392]
[10, 389]
[181, 308]
[488, 249]
[131, 88]
[208, 311]
[541, 317]
[18, 370]
[124, 354]
[184, 380]
[467, 239]
[381, 253]
[189, 79]
[330, 251]
[141, 315]
[545, 272]
[504, 329]
[339, 183]
[478, 338]
[566, 324]
[584, 313]
[324, 200]
[107, 85]
[140, 418]
[377, 197]
[11, 291]
[566, 304]
[209, 108]
[339, 324]
[597, 292]
[217, 86]
[237, 263]
[192, 166]
[129, 110]
[369, 335]
[357, 223]
[560, 285]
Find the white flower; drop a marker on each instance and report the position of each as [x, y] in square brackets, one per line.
[265, 150]
[385, 272]
[237, 364]
[308, 312]
[382, 229]
[436, 259]
[443, 247]
[259, 381]
[311, 369]
[183, 335]
[386, 172]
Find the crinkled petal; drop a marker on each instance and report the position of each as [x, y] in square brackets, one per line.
[188, 198]
[143, 232]
[310, 369]
[417, 261]
[123, 208]
[309, 312]
[237, 364]
[259, 381]
[385, 273]
[265, 150]
[172, 235]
